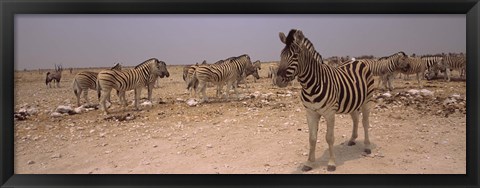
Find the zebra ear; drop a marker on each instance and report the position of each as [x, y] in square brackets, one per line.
[283, 38]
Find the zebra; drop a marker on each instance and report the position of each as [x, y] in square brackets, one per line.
[326, 90]
[418, 66]
[88, 80]
[447, 63]
[55, 76]
[385, 67]
[227, 72]
[142, 75]
[250, 70]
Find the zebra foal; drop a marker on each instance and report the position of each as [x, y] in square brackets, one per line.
[143, 75]
[326, 90]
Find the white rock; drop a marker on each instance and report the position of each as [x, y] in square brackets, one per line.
[449, 101]
[413, 92]
[180, 100]
[146, 104]
[55, 114]
[387, 94]
[64, 109]
[79, 110]
[456, 96]
[426, 92]
[32, 111]
[192, 102]
[209, 146]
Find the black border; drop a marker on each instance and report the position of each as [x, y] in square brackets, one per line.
[11, 7]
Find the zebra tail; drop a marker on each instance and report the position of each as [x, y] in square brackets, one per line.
[193, 80]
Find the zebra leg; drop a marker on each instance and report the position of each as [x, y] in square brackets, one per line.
[312, 120]
[330, 118]
[354, 115]
[447, 74]
[77, 94]
[149, 91]
[365, 122]
[85, 96]
[203, 86]
[103, 97]
[138, 91]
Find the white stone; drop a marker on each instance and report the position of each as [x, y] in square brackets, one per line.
[413, 91]
[192, 102]
[425, 92]
[64, 109]
[55, 114]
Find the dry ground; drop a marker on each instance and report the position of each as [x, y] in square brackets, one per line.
[264, 133]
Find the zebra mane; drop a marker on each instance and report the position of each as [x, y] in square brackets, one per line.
[308, 44]
[147, 61]
[395, 54]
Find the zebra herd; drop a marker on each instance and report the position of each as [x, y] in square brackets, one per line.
[345, 87]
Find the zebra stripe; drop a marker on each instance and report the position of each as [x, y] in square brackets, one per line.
[85, 80]
[143, 75]
[326, 90]
[226, 72]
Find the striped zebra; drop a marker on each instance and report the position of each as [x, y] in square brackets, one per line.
[250, 70]
[446, 64]
[227, 72]
[326, 90]
[55, 77]
[385, 67]
[88, 80]
[418, 66]
[143, 75]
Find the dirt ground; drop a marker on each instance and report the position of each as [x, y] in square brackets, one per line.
[412, 131]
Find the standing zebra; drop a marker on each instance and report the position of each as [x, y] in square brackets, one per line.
[219, 74]
[326, 90]
[446, 64]
[143, 75]
[418, 66]
[55, 76]
[385, 67]
[88, 80]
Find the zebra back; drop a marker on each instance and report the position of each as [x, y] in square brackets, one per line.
[387, 64]
[128, 79]
[228, 70]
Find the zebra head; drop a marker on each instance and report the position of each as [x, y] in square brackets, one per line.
[162, 69]
[288, 66]
[432, 70]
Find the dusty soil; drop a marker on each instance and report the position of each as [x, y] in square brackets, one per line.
[265, 132]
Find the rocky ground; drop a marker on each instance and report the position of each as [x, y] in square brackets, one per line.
[413, 130]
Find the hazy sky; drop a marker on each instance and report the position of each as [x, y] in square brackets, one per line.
[102, 40]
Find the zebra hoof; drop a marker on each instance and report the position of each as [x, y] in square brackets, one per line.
[368, 151]
[351, 143]
[306, 168]
[331, 168]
